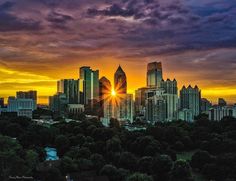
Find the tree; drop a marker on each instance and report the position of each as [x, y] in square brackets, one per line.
[200, 158]
[98, 161]
[145, 164]
[139, 177]
[13, 130]
[181, 171]
[32, 159]
[161, 166]
[111, 172]
[127, 161]
[62, 144]
[114, 123]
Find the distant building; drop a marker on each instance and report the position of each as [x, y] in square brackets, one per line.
[222, 102]
[205, 105]
[75, 109]
[90, 80]
[1, 102]
[190, 98]
[23, 107]
[171, 97]
[217, 113]
[140, 97]
[71, 88]
[154, 74]
[155, 106]
[32, 94]
[58, 104]
[120, 81]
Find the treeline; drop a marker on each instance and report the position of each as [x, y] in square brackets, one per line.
[117, 154]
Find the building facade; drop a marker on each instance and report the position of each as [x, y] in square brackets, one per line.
[58, 104]
[140, 97]
[23, 107]
[32, 94]
[217, 113]
[155, 106]
[71, 88]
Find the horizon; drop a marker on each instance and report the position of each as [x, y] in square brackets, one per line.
[45, 41]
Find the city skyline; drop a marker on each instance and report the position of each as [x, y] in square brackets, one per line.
[43, 99]
[45, 41]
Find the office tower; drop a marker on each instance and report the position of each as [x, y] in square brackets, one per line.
[154, 74]
[71, 88]
[190, 98]
[120, 81]
[58, 104]
[104, 95]
[155, 106]
[205, 105]
[22, 106]
[123, 107]
[140, 100]
[222, 102]
[28, 95]
[90, 79]
[171, 97]
[1, 102]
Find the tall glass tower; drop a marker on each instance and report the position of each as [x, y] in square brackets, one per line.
[154, 74]
[90, 80]
[120, 81]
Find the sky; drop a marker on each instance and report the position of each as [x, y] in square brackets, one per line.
[42, 41]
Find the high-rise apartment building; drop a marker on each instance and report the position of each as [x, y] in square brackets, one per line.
[154, 74]
[71, 88]
[120, 81]
[90, 79]
[170, 95]
[190, 98]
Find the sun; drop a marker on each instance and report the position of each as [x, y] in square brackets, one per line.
[113, 93]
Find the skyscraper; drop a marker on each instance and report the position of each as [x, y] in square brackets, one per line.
[58, 104]
[190, 98]
[171, 96]
[90, 79]
[154, 74]
[140, 97]
[71, 88]
[205, 105]
[120, 81]
[155, 106]
[104, 95]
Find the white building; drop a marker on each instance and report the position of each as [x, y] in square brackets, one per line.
[75, 109]
[23, 107]
[217, 113]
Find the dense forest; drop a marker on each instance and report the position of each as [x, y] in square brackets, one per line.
[115, 154]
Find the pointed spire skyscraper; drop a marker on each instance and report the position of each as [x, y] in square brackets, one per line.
[120, 81]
